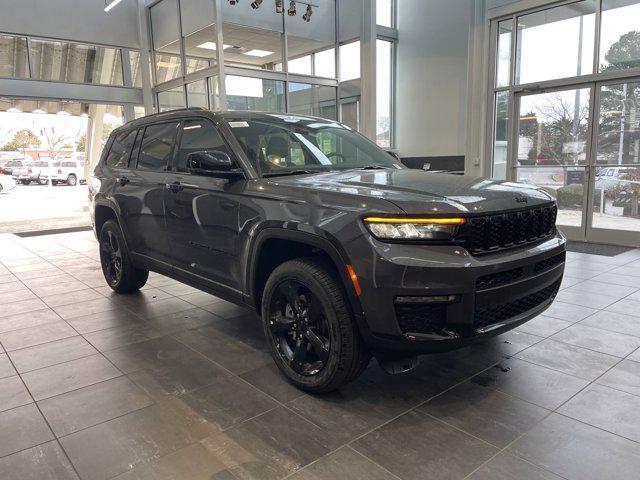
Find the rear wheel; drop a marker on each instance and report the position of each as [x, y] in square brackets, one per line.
[72, 180]
[311, 333]
[117, 267]
[42, 181]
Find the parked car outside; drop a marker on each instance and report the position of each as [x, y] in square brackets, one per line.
[11, 164]
[70, 172]
[6, 183]
[3, 171]
[342, 251]
[29, 172]
[611, 177]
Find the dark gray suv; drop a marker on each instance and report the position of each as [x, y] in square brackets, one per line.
[344, 253]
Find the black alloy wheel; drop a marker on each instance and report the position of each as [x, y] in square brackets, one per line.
[299, 328]
[111, 258]
[310, 330]
[119, 271]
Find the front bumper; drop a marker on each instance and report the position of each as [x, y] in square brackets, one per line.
[476, 296]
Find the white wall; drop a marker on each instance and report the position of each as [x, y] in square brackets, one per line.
[79, 20]
[433, 59]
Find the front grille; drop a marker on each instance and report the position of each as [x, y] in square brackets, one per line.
[500, 278]
[509, 276]
[491, 314]
[549, 263]
[421, 318]
[493, 233]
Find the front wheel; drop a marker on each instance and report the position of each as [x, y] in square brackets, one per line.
[309, 328]
[72, 180]
[117, 267]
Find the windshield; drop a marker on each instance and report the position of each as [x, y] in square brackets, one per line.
[284, 145]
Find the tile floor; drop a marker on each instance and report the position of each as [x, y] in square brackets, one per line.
[173, 383]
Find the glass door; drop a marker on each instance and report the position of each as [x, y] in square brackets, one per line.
[615, 209]
[551, 149]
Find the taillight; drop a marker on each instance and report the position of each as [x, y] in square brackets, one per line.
[59, 171]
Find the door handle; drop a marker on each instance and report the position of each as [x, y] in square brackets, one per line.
[123, 181]
[174, 187]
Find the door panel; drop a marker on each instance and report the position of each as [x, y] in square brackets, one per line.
[202, 210]
[140, 192]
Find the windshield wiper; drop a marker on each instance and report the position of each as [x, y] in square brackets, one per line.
[291, 172]
[373, 167]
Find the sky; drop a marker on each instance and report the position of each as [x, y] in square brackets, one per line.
[69, 126]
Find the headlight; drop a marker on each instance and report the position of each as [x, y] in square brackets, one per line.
[413, 228]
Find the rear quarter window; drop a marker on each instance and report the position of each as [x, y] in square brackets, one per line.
[157, 146]
[120, 150]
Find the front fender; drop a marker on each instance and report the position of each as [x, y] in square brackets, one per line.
[306, 234]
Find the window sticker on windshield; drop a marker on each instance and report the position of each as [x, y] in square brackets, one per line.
[238, 124]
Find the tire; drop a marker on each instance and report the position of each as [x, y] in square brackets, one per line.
[343, 355]
[124, 278]
[1, 188]
[72, 180]
[42, 181]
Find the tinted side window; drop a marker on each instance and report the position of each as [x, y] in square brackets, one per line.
[121, 149]
[199, 135]
[156, 146]
[70, 164]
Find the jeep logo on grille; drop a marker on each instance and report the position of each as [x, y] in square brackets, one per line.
[522, 200]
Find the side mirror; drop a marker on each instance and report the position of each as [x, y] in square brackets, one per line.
[212, 163]
[209, 161]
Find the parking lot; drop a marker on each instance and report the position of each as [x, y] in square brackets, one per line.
[41, 207]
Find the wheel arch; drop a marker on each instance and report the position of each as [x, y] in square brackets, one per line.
[104, 210]
[273, 246]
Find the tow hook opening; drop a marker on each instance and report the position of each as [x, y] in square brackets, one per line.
[395, 366]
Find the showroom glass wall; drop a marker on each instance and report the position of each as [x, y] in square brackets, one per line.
[35, 58]
[566, 112]
[271, 59]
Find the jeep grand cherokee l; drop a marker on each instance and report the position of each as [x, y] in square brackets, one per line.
[343, 252]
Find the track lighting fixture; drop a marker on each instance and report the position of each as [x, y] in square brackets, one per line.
[307, 16]
[233, 2]
[256, 4]
[279, 6]
[292, 9]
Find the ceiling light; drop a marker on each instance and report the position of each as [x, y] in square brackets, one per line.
[279, 6]
[211, 46]
[85, 114]
[292, 8]
[208, 45]
[233, 2]
[38, 110]
[307, 16]
[14, 110]
[63, 112]
[256, 4]
[108, 5]
[258, 53]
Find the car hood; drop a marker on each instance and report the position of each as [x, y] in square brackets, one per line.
[420, 192]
